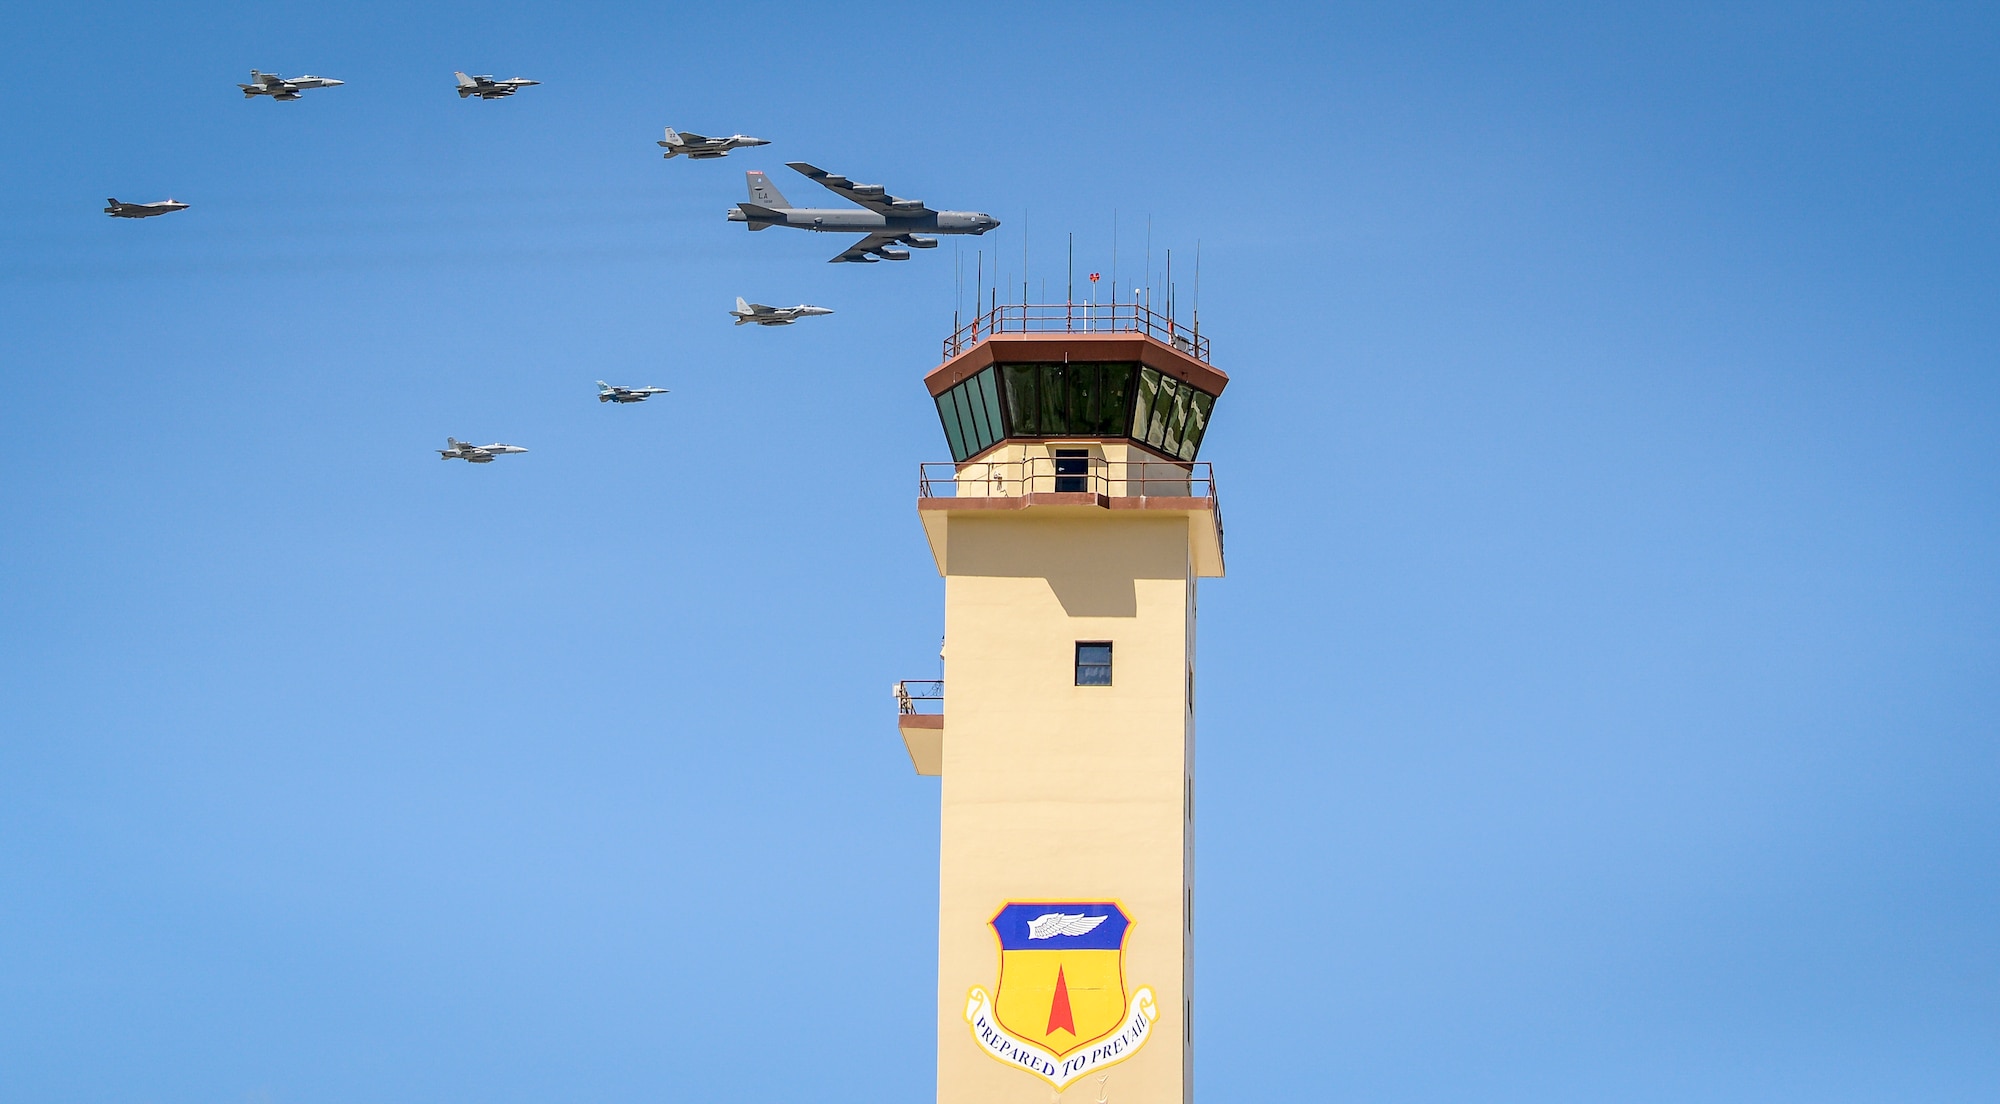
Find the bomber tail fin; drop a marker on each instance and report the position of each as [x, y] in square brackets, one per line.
[763, 193]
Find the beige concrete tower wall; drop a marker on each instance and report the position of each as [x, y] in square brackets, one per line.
[1053, 791]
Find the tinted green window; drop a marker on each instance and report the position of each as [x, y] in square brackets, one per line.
[970, 412]
[1068, 400]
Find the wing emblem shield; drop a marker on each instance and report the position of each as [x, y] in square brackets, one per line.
[1061, 1009]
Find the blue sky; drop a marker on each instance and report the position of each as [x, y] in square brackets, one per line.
[1601, 705]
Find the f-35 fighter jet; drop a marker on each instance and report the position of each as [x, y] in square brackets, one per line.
[773, 316]
[700, 148]
[486, 88]
[474, 454]
[143, 210]
[283, 88]
[886, 219]
[608, 393]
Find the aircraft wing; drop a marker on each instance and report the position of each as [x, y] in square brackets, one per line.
[871, 196]
[862, 250]
[690, 138]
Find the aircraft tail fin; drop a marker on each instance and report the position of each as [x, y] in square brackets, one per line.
[465, 81]
[763, 193]
[742, 306]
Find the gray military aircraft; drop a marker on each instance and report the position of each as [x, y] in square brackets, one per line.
[143, 210]
[608, 393]
[700, 148]
[474, 454]
[486, 88]
[886, 219]
[773, 316]
[283, 88]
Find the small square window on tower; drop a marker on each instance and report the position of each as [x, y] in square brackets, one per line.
[1093, 663]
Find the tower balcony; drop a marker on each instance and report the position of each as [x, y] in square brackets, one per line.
[1079, 318]
[920, 719]
[1088, 478]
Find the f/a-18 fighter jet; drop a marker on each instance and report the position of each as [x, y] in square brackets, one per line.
[701, 148]
[608, 393]
[486, 88]
[886, 219]
[283, 88]
[773, 316]
[143, 210]
[474, 454]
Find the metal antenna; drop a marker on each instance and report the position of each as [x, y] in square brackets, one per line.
[1197, 293]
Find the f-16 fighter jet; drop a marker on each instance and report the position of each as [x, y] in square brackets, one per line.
[608, 393]
[143, 210]
[700, 148]
[283, 88]
[474, 454]
[886, 219]
[773, 316]
[486, 88]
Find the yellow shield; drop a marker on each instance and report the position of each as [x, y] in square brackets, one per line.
[1062, 972]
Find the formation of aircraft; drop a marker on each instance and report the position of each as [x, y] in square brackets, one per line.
[283, 88]
[886, 220]
[701, 148]
[486, 88]
[608, 393]
[474, 454]
[143, 210]
[762, 315]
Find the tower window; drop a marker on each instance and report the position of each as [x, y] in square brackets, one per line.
[1093, 663]
[1072, 471]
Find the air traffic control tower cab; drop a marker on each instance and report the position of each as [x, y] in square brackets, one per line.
[1070, 527]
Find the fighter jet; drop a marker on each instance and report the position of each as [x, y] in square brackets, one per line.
[608, 393]
[143, 210]
[886, 219]
[773, 316]
[486, 88]
[699, 148]
[283, 88]
[474, 454]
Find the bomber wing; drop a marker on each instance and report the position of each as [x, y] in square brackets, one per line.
[867, 249]
[872, 196]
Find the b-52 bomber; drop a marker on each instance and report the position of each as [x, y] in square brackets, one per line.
[608, 393]
[700, 148]
[886, 219]
[143, 210]
[773, 316]
[474, 454]
[486, 88]
[283, 88]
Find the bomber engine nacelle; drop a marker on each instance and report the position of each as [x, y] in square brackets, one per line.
[891, 253]
[919, 241]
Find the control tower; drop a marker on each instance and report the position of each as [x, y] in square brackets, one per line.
[1070, 527]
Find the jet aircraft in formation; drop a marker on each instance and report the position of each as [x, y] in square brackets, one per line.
[885, 219]
[486, 88]
[474, 454]
[773, 316]
[283, 88]
[143, 210]
[700, 148]
[608, 393]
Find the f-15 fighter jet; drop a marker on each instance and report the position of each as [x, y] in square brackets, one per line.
[608, 393]
[486, 88]
[773, 316]
[474, 454]
[886, 219]
[143, 210]
[700, 148]
[283, 88]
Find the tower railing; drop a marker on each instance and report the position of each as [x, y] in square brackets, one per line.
[1093, 475]
[919, 697]
[1084, 318]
